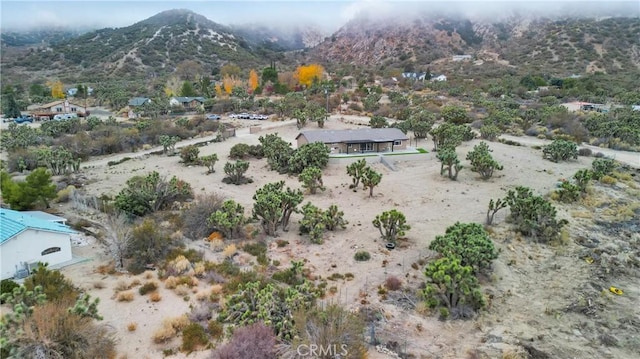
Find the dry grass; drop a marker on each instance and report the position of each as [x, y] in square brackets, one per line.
[171, 282]
[201, 295]
[107, 269]
[170, 327]
[126, 296]
[135, 282]
[216, 289]
[98, 285]
[608, 180]
[122, 286]
[182, 290]
[155, 297]
[199, 269]
[148, 274]
[582, 214]
[229, 251]
[216, 245]
[132, 326]
[513, 354]
[180, 265]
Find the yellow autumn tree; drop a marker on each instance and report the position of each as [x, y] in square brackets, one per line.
[227, 84]
[307, 74]
[57, 89]
[253, 80]
[218, 90]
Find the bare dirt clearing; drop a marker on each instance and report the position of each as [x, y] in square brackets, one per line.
[529, 290]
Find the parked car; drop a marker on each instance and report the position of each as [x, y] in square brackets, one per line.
[213, 117]
[244, 116]
[23, 119]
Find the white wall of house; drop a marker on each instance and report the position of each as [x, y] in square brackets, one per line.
[28, 247]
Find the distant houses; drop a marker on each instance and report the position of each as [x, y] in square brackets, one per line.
[420, 76]
[438, 78]
[189, 103]
[138, 101]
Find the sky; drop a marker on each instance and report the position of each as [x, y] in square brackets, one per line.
[329, 14]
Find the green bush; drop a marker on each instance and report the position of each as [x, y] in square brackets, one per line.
[468, 242]
[454, 287]
[193, 336]
[215, 328]
[148, 287]
[362, 256]
[560, 150]
[6, 286]
[482, 161]
[255, 249]
[189, 154]
[151, 193]
[602, 167]
[568, 192]
[239, 151]
[533, 215]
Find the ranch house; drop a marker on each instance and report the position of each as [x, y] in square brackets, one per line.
[357, 140]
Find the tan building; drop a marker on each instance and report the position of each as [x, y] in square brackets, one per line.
[357, 141]
[60, 107]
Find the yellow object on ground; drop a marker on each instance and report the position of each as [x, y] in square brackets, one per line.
[615, 290]
[588, 260]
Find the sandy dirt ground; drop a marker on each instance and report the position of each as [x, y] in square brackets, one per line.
[523, 285]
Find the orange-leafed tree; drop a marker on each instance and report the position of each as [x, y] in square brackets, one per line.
[219, 90]
[227, 84]
[57, 89]
[253, 80]
[306, 75]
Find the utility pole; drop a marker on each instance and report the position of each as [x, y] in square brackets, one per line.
[326, 93]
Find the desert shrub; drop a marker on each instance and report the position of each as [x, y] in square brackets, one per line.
[193, 337]
[155, 297]
[312, 223]
[52, 328]
[255, 249]
[482, 161]
[533, 215]
[239, 151]
[585, 152]
[189, 154]
[606, 179]
[194, 218]
[255, 301]
[560, 150]
[568, 192]
[582, 179]
[149, 244]
[469, 243]
[215, 329]
[281, 243]
[126, 296]
[331, 325]
[151, 193]
[228, 219]
[452, 286]
[393, 283]
[362, 256]
[489, 132]
[256, 341]
[147, 288]
[602, 167]
[7, 286]
[308, 155]
[55, 286]
[132, 326]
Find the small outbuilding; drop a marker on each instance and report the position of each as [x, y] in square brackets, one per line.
[357, 140]
[28, 238]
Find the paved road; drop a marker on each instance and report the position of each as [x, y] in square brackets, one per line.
[626, 157]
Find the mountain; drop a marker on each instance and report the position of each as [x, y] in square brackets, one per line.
[38, 36]
[148, 48]
[569, 45]
[281, 38]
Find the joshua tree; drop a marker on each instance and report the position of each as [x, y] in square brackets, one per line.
[355, 170]
[449, 162]
[370, 179]
[482, 161]
[228, 219]
[209, 161]
[311, 178]
[235, 172]
[494, 207]
[391, 224]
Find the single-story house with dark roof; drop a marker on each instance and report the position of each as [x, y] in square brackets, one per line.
[187, 102]
[138, 101]
[29, 238]
[357, 140]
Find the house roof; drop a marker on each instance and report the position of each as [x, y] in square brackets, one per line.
[45, 216]
[189, 99]
[59, 102]
[13, 223]
[357, 135]
[138, 101]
